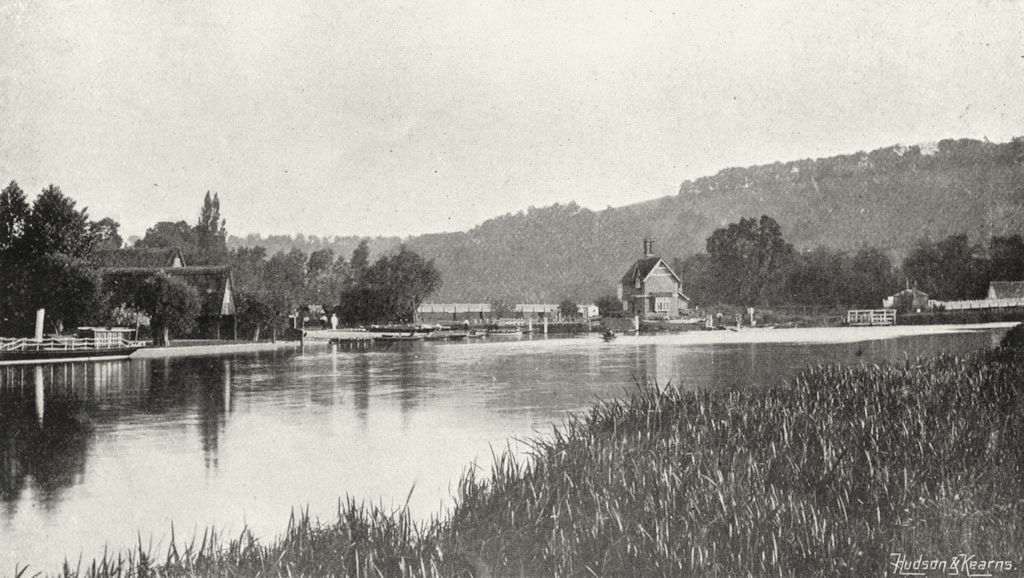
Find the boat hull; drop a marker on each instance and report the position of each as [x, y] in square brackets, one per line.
[63, 355]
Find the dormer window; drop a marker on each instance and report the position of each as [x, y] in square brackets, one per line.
[636, 281]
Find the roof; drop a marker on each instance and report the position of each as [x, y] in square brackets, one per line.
[1006, 289]
[141, 258]
[210, 282]
[641, 268]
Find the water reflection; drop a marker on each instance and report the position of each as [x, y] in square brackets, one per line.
[243, 439]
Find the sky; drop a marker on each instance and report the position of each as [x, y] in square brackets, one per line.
[401, 118]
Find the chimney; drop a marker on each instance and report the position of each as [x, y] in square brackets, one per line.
[648, 247]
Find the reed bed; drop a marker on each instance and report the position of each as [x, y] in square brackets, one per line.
[826, 476]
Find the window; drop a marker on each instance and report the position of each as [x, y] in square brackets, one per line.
[662, 304]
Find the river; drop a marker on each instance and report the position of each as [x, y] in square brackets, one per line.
[103, 454]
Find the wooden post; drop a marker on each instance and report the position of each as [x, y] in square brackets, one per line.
[40, 316]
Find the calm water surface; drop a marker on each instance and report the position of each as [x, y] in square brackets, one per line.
[94, 454]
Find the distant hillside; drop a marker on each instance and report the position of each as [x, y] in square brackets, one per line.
[887, 198]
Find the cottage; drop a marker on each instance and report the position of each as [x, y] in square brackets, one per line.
[651, 290]
[124, 269]
[908, 300]
[1005, 290]
[160, 257]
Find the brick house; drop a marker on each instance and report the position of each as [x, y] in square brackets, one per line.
[651, 290]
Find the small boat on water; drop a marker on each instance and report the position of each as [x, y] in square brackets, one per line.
[390, 337]
[55, 349]
[609, 335]
[505, 330]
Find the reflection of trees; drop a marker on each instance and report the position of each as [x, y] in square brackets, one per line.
[49, 450]
[200, 384]
[49, 414]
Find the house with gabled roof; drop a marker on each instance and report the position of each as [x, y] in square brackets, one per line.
[650, 289]
[123, 270]
[149, 257]
[1005, 290]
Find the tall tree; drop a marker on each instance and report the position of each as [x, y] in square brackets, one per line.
[748, 258]
[14, 211]
[360, 261]
[55, 226]
[949, 269]
[211, 235]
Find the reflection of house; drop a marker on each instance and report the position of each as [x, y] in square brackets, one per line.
[124, 270]
[1005, 290]
[651, 290]
[907, 301]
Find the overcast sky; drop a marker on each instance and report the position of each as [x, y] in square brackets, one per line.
[395, 118]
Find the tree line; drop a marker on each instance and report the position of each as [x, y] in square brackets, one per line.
[50, 256]
[750, 263]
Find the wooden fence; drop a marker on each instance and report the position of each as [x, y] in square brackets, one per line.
[871, 317]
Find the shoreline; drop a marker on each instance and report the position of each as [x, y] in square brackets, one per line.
[211, 349]
[829, 476]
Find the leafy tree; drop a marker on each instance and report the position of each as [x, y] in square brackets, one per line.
[318, 276]
[172, 305]
[360, 262]
[69, 289]
[871, 278]
[259, 310]
[248, 266]
[105, 233]
[748, 258]
[401, 283]
[608, 305]
[568, 309]
[1006, 257]
[125, 315]
[54, 226]
[178, 235]
[390, 290]
[14, 211]
[210, 233]
[948, 269]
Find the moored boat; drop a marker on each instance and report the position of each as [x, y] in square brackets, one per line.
[58, 349]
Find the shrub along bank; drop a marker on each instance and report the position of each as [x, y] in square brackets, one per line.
[839, 473]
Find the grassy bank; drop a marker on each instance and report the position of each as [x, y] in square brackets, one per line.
[828, 476]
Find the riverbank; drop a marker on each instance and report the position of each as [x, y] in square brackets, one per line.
[185, 348]
[831, 476]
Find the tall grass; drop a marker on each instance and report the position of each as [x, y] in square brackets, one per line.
[826, 476]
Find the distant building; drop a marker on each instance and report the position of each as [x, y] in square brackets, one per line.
[651, 290]
[124, 269]
[1005, 290]
[453, 311]
[537, 310]
[588, 311]
[907, 301]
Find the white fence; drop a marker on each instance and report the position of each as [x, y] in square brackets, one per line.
[871, 317]
[979, 304]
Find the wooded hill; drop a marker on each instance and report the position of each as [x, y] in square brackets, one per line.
[888, 198]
